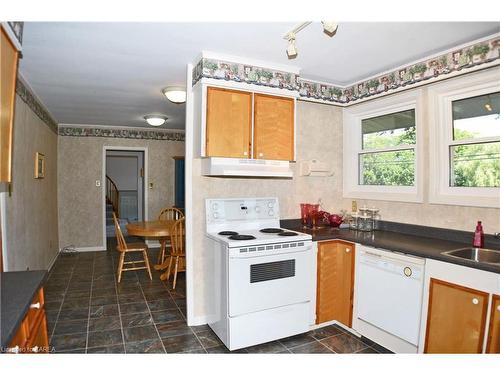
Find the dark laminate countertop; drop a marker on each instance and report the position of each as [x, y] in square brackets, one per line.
[421, 246]
[18, 290]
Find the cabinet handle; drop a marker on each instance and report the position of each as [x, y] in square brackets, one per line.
[475, 301]
[245, 153]
[35, 305]
[347, 250]
[261, 154]
[14, 350]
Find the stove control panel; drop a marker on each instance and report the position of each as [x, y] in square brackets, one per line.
[241, 210]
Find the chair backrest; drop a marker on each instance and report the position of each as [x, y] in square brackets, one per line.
[122, 245]
[170, 213]
[178, 237]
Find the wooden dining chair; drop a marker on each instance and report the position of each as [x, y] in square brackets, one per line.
[178, 252]
[170, 213]
[125, 248]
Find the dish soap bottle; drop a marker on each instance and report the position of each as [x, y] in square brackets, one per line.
[478, 240]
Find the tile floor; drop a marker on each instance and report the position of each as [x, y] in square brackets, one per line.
[89, 312]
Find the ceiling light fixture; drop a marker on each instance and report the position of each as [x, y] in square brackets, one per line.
[176, 94]
[155, 120]
[330, 28]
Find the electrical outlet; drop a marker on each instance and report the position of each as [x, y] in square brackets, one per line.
[97, 183]
[150, 185]
[354, 206]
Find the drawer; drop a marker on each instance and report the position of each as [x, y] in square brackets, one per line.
[36, 308]
[38, 341]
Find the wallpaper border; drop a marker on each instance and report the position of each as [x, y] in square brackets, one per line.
[158, 135]
[457, 61]
[32, 102]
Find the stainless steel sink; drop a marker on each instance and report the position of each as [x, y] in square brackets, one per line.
[476, 255]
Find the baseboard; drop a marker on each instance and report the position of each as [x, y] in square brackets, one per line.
[90, 248]
[51, 264]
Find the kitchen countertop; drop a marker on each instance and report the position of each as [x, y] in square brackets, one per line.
[18, 290]
[420, 246]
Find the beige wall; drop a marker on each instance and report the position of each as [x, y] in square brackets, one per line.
[31, 210]
[81, 202]
[317, 138]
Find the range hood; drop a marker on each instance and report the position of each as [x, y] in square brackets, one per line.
[234, 167]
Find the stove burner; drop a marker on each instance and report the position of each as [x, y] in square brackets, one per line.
[241, 237]
[288, 234]
[271, 230]
[227, 233]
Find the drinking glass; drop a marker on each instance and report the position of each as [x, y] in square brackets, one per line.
[304, 213]
[313, 214]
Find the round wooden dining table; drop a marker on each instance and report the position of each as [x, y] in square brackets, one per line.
[156, 229]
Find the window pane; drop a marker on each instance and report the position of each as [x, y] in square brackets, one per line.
[476, 117]
[392, 168]
[390, 130]
[475, 165]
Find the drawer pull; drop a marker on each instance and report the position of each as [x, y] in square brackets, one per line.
[475, 301]
[35, 305]
[347, 250]
[245, 153]
[14, 350]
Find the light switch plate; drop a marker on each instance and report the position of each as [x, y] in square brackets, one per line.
[97, 182]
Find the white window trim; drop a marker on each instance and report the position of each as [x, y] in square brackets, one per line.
[440, 99]
[352, 147]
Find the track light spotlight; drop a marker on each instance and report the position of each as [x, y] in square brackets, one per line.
[291, 50]
[329, 27]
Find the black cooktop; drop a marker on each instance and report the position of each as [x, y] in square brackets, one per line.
[227, 233]
[241, 237]
[272, 230]
[287, 234]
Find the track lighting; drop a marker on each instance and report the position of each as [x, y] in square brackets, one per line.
[291, 50]
[329, 27]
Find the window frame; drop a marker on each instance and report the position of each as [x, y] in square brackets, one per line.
[353, 148]
[441, 98]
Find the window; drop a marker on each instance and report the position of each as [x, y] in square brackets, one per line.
[388, 149]
[464, 140]
[381, 149]
[475, 150]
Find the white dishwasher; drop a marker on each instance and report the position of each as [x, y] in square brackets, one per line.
[389, 288]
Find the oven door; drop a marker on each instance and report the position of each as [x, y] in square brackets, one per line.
[268, 281]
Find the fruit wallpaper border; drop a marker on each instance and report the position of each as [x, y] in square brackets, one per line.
[457, 60]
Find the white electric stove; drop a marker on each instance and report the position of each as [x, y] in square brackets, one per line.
[263, 275]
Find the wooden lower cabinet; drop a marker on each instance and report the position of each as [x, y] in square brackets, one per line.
[31, 336]
[335, 282]
[494, 330]
[456, 318]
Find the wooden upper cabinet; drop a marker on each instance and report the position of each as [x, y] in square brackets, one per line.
[335, 283]
[229, 123]
[8, 77]
[494, 331]
[274, 119]
[456, 318]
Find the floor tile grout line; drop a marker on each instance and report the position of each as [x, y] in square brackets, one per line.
[63, 299]
[151, 315]
[115, 281]
[90, 306]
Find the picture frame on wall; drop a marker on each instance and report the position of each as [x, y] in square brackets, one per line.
[39, 165]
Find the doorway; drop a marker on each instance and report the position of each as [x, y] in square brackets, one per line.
[124, 188]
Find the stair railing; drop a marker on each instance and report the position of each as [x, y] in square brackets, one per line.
[112, 195]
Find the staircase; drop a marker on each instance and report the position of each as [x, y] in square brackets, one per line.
[113, 204]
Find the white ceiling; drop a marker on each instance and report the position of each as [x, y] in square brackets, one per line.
[112, 73]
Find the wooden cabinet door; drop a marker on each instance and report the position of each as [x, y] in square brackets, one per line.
[494, 331]
[335, 284]
[229, 123]
[456, 318]
[274, 119]
[39, 340]
[8, 76]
